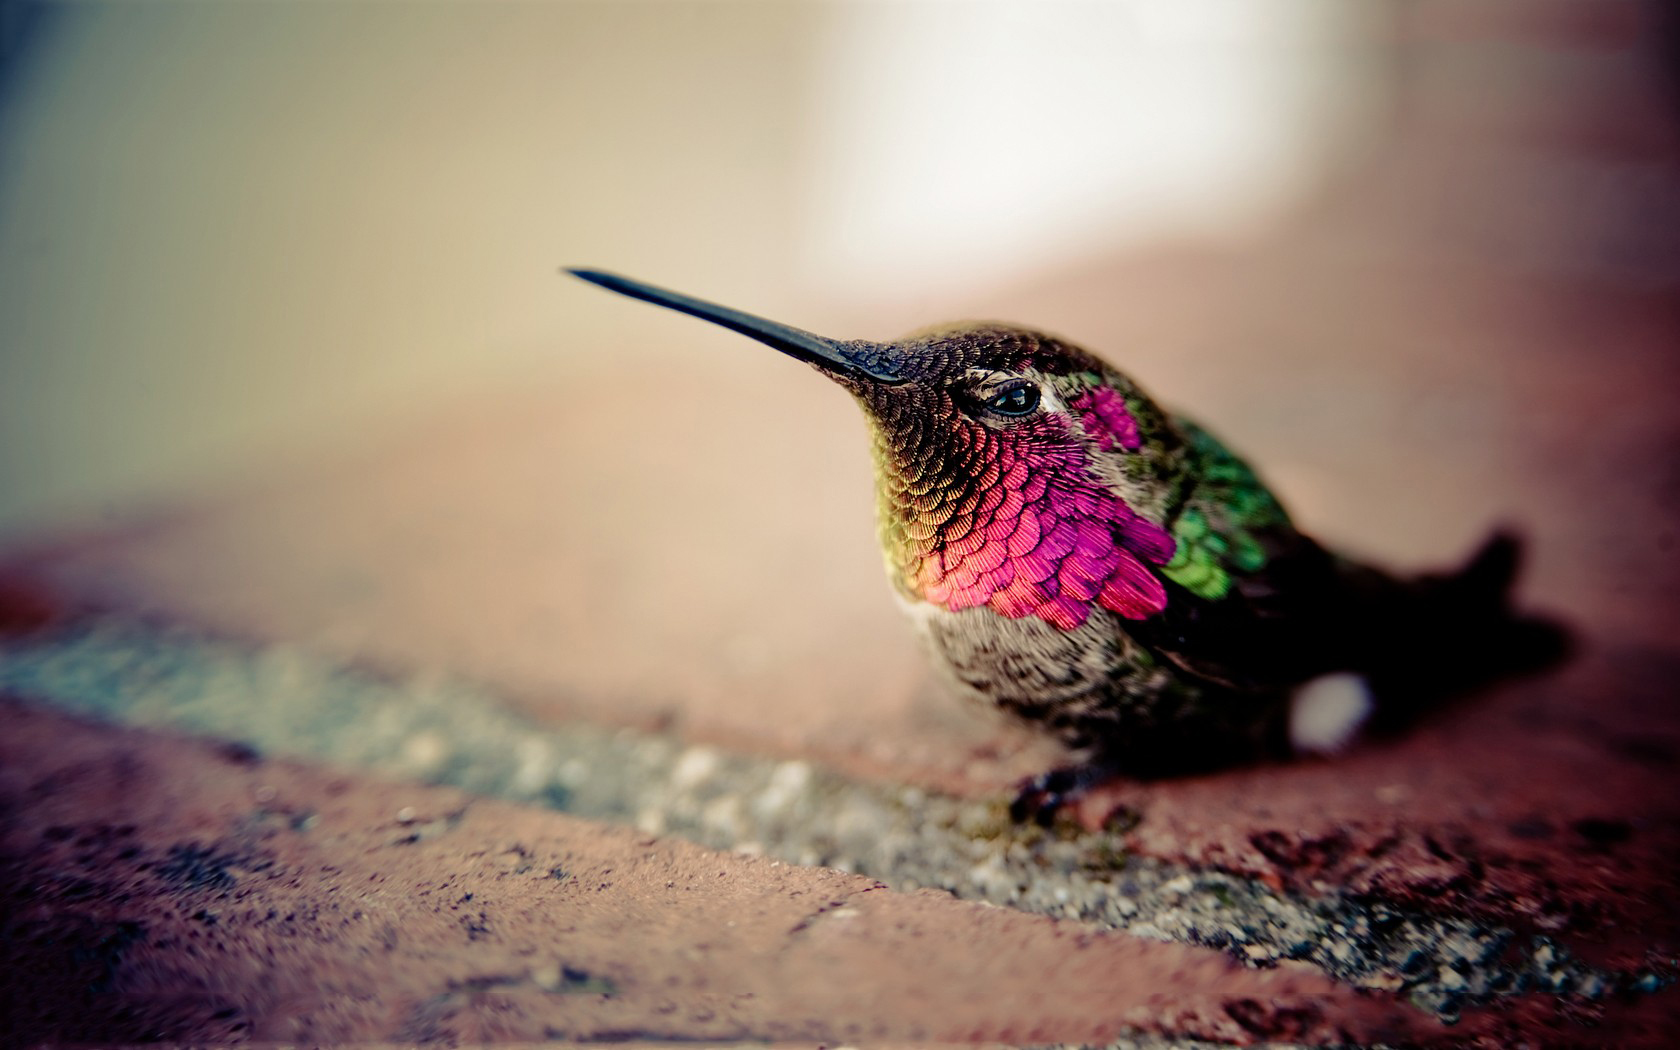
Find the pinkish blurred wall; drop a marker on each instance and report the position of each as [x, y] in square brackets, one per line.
[235, 236]
[232, 233]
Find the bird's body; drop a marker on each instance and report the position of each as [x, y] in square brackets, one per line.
[1082, 559]
[1031, 548]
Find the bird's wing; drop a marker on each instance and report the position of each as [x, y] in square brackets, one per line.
[1251, 601]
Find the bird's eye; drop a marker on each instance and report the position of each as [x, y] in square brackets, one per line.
[1017, 400]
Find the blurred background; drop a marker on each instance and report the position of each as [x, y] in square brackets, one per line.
[1418, 259]
[231, 228]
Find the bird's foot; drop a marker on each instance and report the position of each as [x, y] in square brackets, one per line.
[1041, 797]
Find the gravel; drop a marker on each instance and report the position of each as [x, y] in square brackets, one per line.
[281, 700]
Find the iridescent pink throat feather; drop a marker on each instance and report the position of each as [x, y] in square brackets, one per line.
[1029, 529]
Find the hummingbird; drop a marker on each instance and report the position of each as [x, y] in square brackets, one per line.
[1098, 567]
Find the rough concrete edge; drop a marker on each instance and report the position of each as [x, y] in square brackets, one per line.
[448, 732]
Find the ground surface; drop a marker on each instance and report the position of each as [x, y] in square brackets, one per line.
[687, 638]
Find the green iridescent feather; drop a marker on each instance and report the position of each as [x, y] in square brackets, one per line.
[1215, 530]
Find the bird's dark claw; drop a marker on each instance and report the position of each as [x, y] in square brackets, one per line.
[1041, 797]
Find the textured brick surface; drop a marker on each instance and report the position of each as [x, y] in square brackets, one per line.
[160, 889]
[642, 559]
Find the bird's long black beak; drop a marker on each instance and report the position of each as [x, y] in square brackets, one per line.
[858, 359]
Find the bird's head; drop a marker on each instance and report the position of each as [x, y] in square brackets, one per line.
[1015, 471]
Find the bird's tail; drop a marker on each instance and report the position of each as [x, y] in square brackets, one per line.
[1437, 636]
